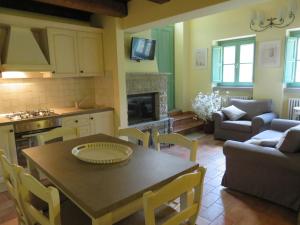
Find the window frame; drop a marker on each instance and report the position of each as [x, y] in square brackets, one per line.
[237, 43]
[295, 34]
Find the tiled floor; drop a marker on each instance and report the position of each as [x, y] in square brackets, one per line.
[219, 207]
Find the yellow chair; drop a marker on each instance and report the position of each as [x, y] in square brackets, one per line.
[176, 139]
[10, 180]
[155, 207]
[61, 132]
[57, 214]
[136, 134]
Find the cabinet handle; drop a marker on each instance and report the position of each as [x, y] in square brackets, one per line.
[53, 71]
[11, 131]
[76, 121]
[92, 118]
[81, 71]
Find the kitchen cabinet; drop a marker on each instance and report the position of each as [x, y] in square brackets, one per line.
[102, 122]
[89, 124]
[75, 53]
[90, 54]
[7, 143]
[82, 122]
[63, 52]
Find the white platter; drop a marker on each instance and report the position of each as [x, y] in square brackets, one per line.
[102, 152]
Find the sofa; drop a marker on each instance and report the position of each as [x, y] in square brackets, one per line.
[266, 172]
[258, 118]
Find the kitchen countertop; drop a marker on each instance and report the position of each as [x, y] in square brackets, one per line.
[60, 112]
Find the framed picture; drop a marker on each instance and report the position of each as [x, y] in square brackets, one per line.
[201, 58]
[269, 54]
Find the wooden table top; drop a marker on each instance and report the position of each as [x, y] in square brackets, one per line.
[99, 189]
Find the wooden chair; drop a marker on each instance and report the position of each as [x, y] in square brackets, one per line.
[57, 214]
[155, 207]
[10, 179]
[136, 134]
[61, 132]
[176, 139]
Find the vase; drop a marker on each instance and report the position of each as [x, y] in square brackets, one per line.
[209, 127]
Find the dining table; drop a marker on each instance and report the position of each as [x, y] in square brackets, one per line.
[106, 193]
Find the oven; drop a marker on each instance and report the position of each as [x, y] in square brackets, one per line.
[26, 134]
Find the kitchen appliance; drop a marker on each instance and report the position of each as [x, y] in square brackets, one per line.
[28, 125]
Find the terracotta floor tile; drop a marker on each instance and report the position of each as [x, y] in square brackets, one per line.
[212, 212]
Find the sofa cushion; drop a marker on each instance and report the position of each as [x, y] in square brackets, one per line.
[263, 142]
[268, 134]
[252, 107]
[233, 113]
[239, 125]
[290, 141]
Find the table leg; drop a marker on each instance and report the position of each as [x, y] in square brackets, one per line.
[104, 220]
[33, 170]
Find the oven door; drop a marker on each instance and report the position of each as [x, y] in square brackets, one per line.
[28, 140]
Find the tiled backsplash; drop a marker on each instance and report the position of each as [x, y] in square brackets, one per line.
[26, 94]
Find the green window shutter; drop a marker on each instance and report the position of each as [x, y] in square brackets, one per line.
[217, 64]
[290, 59]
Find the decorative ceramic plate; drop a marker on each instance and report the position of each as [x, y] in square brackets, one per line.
[102, 152]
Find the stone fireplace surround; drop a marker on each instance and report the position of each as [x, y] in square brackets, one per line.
[142, 83]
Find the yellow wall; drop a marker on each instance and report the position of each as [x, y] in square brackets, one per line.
[235, 23]
[144, 65]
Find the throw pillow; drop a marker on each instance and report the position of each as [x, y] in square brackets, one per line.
[290, 141]
[233, 113]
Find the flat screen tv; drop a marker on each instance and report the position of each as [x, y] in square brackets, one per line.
[142, 49]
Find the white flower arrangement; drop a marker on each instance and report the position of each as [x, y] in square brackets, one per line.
[204, 105]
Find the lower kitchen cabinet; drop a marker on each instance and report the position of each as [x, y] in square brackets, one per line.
[8, 144]
[89, 124]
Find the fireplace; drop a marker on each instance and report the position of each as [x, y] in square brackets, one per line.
[142, 108]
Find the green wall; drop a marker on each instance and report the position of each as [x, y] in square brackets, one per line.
[202, 32]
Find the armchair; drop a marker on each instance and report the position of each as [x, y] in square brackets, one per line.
[258, 118]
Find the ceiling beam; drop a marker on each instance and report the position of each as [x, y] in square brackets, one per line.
[159, 1]
[103, 7]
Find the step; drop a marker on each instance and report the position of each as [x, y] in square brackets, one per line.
[188, 126]
[183, 116]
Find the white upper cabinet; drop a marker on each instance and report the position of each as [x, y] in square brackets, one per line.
[75, 53]
[90, 54]
[63, 52]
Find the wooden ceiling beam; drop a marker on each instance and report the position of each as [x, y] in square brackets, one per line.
[104, 7]
[159, 1]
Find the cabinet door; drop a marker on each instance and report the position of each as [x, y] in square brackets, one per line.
[8, 144]
[90, 48]
[63, 52]
[82, 122]
[102, 122]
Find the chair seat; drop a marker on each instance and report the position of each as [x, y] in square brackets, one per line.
[161, 215]
[238, 125]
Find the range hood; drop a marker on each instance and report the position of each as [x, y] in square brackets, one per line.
[22, 52]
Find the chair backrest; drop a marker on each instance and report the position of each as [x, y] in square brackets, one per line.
[61, 132]
[178, 188]
[9, 173]
[176, 139]
[31, 186]
[136, 134]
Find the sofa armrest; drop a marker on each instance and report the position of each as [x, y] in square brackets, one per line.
[255, 154]
[262, 120]
[283, 124]
[218, 117]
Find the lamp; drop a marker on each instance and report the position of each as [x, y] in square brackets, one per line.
[284, 18]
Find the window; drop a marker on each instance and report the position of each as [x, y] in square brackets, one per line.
[292, 60]
[233, 62]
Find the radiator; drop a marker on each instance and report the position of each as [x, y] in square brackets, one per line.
[228, 98]
[293, 102]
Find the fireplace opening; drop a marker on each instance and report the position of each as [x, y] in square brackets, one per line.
[141, 108]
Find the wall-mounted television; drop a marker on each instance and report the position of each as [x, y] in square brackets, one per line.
[142, 49]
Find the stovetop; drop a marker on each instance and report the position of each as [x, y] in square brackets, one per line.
[31, 114]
